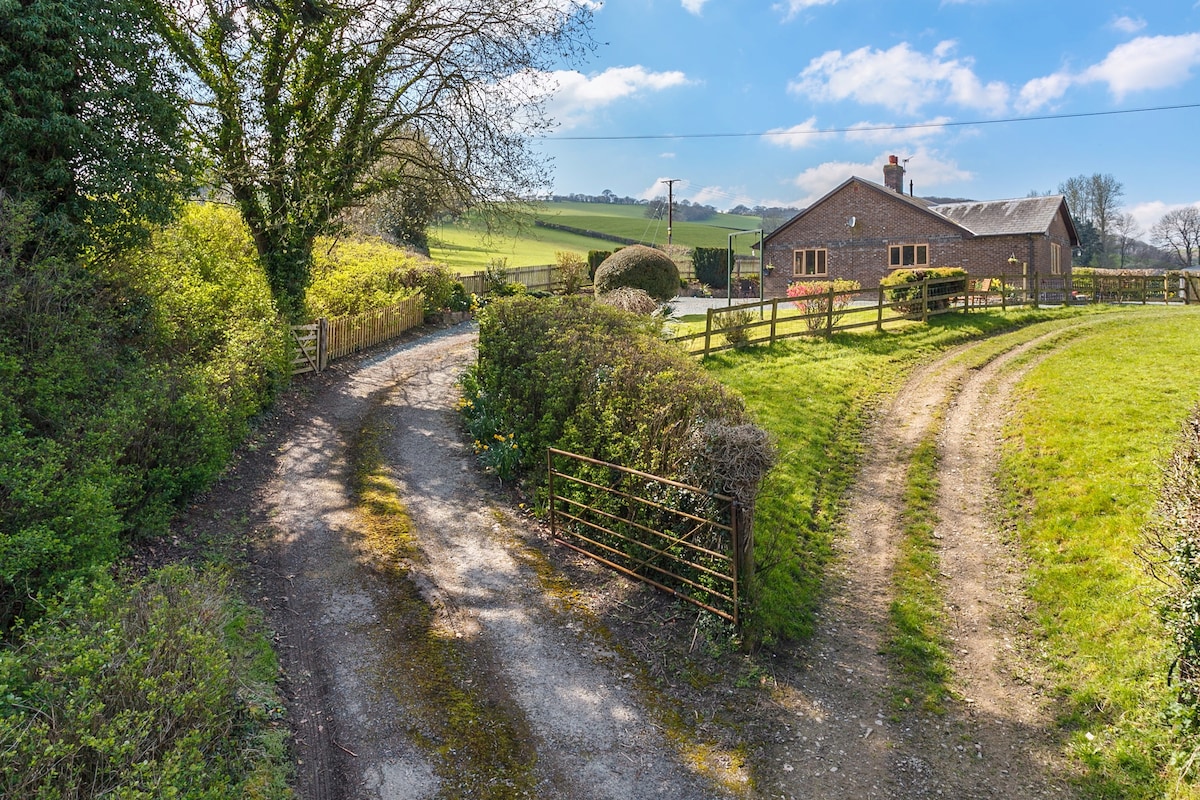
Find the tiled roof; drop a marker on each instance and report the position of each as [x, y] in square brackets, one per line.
[997, 217]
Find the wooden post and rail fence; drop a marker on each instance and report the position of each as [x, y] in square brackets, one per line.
[768, 321]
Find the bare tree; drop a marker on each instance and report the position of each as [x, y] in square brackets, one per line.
[1125, 232]
[297, 103]
[1096, 199]
[1178, 232]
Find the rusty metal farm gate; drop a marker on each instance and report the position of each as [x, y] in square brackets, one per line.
[680, 539]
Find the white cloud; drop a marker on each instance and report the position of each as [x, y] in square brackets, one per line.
[1144, 63]
[792, 8]
[659, 188]
[900, 79]
[1147, 214]
[666, 155]
[926, 169]
[694, 6]
[886, 133]
[1148, 62]
[721, 197]
[1128, 24]
[577, 95]
[797, 136]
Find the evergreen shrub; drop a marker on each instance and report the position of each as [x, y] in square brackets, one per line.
[577, 375]
[711, 265]
[1172, 550]
[162, 689]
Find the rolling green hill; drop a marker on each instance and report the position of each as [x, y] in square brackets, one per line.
[466, 247]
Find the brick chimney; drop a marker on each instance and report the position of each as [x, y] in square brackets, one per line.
[893, 175]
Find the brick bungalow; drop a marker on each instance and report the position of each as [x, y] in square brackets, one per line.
[862, 231]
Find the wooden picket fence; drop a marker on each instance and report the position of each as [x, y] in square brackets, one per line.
[324, 340]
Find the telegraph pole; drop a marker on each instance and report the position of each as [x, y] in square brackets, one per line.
[670, 182]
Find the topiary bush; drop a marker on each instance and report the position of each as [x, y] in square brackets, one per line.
[639, 267]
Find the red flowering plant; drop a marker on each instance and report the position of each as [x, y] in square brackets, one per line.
[813, 298]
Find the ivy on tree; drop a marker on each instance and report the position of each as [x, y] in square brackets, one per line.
[310, 107]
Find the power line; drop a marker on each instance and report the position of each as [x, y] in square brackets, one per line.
[865, 129]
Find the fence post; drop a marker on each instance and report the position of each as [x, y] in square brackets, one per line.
[741, 520]
[550, 490]
[879, 316]
[925, 300]
[774, 317]
[708, 323]
[1037, 289]
[322, 344]
[829, 314]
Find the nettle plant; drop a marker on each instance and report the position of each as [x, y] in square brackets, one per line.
[813, 298]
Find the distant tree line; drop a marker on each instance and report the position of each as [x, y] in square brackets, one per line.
[1112, 239]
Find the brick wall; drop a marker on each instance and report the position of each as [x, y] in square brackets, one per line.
[881, 220]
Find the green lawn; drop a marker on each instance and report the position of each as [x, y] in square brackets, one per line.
[813, 396]
[1081, 469]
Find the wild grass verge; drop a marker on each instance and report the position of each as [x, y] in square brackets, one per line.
[917, 641]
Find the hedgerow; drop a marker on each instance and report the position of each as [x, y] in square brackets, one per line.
[580, 376]
[1173, 552]
[164, 689]
[903, 287]
[353, 276]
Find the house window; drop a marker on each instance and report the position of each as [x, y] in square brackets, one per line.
[908, 255]
[1055, 259]
[810, 262]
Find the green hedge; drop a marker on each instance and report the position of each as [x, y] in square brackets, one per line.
[350, 277]
[711, 265]
[580, 376]
[901, 285]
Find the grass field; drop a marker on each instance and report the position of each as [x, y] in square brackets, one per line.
[466, 247]
[1081, 470]
[813, 396]
[1080, 474]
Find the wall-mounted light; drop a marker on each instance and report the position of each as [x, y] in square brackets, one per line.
[851, 221]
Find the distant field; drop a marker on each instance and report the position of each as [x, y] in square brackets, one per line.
[467, 249]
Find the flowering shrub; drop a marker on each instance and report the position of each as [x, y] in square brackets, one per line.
[812, 297]
[904, 288]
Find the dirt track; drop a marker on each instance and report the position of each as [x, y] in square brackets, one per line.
[575, 707]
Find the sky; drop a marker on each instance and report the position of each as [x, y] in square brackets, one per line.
[802, 94]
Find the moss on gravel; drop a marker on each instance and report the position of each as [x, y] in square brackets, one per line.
[482, 751]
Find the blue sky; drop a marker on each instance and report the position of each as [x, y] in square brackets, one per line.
[798, 69]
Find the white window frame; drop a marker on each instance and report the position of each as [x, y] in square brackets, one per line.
[1055, 258]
